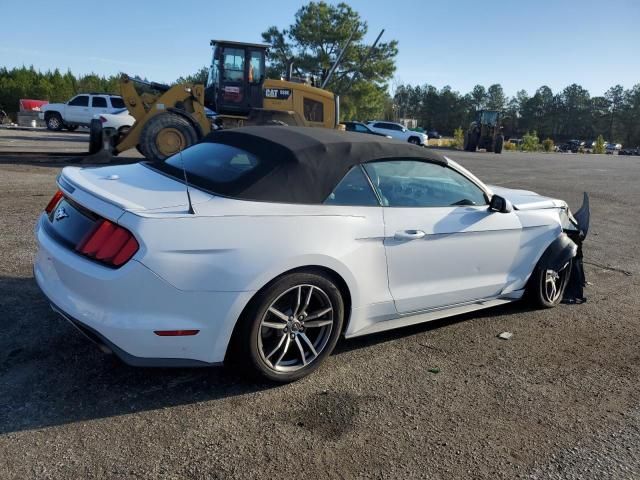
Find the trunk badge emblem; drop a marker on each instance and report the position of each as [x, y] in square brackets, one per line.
[60, 214]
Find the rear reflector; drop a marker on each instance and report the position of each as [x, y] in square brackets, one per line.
[53, 203]
[108, 243]
[176, 333]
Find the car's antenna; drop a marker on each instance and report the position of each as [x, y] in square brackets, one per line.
[186, 182]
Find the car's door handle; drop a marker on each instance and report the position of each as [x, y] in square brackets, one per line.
[409, 235]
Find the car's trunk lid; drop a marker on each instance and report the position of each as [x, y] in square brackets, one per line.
[129, 187]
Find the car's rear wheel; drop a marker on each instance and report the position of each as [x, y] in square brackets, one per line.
[292, 326]
[547, 285]
[54, 122]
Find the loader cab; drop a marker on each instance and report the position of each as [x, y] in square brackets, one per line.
[488, 117]
[236, 76]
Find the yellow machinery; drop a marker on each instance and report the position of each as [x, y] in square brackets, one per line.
[237, 93]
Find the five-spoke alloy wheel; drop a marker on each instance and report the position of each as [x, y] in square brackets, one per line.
[294, 325]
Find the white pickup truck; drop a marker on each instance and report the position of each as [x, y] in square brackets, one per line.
[79, 110]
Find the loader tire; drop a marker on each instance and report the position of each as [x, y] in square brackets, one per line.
[95, 136]
[165, 134]
[499, 144]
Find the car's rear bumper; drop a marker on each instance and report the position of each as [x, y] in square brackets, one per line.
[121, 308]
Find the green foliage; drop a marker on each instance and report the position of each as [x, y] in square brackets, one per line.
[570, 113]
[314, 41]
[458, 138]
[599, 146]
[200, 77]
[510, 146]
[23, 82]
[547, 145]
[27, 82]
[530, 142]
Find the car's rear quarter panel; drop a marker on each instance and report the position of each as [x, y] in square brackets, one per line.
[240, 246]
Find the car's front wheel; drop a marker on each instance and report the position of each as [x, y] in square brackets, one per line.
[292, 326]
[54, 122]
[547, 285]
[414, 140]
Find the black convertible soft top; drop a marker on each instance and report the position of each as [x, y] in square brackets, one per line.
[305, 164]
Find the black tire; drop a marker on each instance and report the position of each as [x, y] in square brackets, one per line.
[71, 128]
[414, 140]
[122, 132]
[54, 121]
[181, 129]
[95, 136]
[499, 144]
[538, 291]
[471, 142]
[254, 340]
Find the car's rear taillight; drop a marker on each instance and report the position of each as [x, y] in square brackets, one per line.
[108, 243]
[53, 203]
[102, 119]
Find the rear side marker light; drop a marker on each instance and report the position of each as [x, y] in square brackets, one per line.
[176, 333]
[53, 203]
[109, 243]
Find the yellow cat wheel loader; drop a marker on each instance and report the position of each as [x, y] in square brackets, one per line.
[171, 118]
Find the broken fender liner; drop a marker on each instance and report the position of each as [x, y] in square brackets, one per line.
[574, 292]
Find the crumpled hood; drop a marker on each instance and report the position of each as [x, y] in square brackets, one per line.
[527, 200]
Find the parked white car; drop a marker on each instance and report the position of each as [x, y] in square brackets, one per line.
[269, 243]
[119, 120]
[398, 131]
[79, 110]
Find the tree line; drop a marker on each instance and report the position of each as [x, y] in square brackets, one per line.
[563, 115]
[54, 86]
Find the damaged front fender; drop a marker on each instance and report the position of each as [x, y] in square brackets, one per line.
[558, 254]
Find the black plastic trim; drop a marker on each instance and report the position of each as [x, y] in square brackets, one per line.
[561, 250]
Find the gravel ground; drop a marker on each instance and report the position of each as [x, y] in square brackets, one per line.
[558, 400]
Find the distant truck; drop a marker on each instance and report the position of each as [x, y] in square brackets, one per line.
[79, 110]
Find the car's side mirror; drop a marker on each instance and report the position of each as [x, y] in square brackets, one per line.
[500, 204]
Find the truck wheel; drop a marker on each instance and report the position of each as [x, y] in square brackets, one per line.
[54, 121]
[499, 144]
[165, 134]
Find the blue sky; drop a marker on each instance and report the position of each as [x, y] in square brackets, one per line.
[458, 43]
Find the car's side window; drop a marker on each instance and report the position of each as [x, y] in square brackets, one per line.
[380, 125]
[413, 183]
[80, 101]
[99, 102]
[117, 102]
[361, 128]
[353, 190]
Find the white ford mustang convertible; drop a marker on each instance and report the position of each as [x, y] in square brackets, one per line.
[266, 244]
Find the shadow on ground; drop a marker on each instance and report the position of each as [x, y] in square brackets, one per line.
[51, 375]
